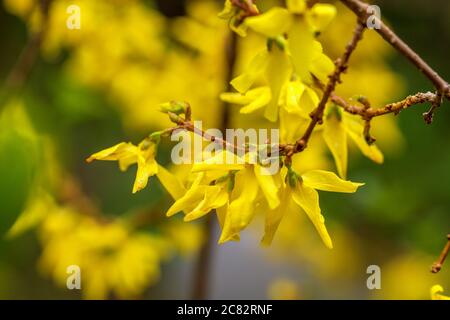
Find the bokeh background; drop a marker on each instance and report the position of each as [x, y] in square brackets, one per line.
[88, 89]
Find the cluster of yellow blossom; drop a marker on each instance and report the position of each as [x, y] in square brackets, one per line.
[235, 189]
[114, 258]
[286, 68]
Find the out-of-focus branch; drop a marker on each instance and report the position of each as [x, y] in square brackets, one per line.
[21, 70]
[204, 262]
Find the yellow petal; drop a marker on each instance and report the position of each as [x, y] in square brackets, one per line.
[278, 73]
[221, 161]
[293, 92]
[189, 201]
[228, 10]
[263, 99]
[355, 132]
[296, 6]
[146, 169]
[321, 15]
[214, 197]
[221, 215]
[308, 199]
[124, 152]
[241, 210]
[274, 217]
[271, 24]
[236, 98]
[301, 45]
[309, 101]
[170, 183]
[335, 137]
[322, 66]
[291, 125]
[253, 100]
[256, 67]
[267, 185]
[328, 181]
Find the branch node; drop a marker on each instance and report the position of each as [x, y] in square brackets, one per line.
[436, 103]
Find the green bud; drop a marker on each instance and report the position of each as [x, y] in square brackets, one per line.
[176, 107]
[231, 181]
[155, 136]
[292, 177]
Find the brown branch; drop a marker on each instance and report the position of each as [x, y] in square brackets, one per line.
[395, 107]
[366, 112]
[188, 125]
[334, 79]
[360, 9]
[316, 116]
[436, 267]
[247, 8]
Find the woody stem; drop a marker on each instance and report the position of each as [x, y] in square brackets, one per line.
[436, 267]
[360, 10]
[334, 79]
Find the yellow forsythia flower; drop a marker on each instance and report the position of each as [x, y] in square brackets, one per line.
[252, 100]
[302, 190]
[274, 64]
[200, 199]
[300, 24]
[232, 13]
[337, 127]
[300, 56]
[251, 185]
[127, 154]
[233, 188]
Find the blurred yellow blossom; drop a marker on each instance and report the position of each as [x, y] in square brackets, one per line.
[436, 293]
[283, 289]
[112, 260]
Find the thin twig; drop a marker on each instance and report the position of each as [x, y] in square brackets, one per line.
[395, 107]
[247, 7]
[188, 125]
[360, 9]
[334, 79]
[436, 267]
